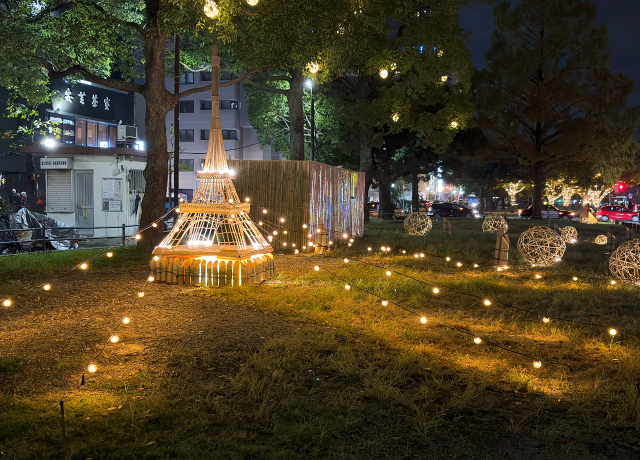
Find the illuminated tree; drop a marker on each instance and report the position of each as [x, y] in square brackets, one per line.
[512, 189]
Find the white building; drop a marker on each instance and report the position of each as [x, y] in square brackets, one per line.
[240, 138]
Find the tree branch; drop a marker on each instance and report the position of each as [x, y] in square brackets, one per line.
[243, 76]
[134, 25]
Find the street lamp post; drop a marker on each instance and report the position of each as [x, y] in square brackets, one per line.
[313, 121]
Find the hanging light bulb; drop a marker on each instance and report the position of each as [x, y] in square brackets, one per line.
[448, 259]
[435, 290]
[246, 200]
[284, 244]
[546, 320]
[126, 320]
[475, 265]
[537, 364]
[346, 260]
[385, 303]
[423, 320]
[459, 264]
[260, 223]
[388, 272]
[350, 240]
[384, 73]
[264, 211]
[368, 249]
[92, 368]
[416, 255]
[7, 302]
[477, 340]
[347, 287]
[486, 302]
[575, 278]
[140, 294]
[304, 225]
[137, 236]
[345, 235]
[156, 258]
[275, 232]
[330, 242]
[114, 339]
[84, 265]
[154, 225]
[150, 279]
[211, 9]
[613, 282]
[297, 251]
[421, 255]
[538, 276]
[316, 268]
[612, 332]
[109, 254]
[282, 219]
[285, 232]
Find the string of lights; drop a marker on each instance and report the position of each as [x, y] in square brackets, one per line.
[537, 363]
[486, 302]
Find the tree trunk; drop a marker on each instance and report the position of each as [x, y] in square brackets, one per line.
[158, 103]
[538, 192]
[296, 115]
[487, 198]
[366, 163]
[384, 187]
[415, 198]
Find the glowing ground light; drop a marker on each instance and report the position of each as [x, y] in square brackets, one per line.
[575, 278]
[344, 235]
[156, 258]
[137, 237]
[423, 320]
[404, 252]
[246, 200]
[260, 223]
[6, 302]
[264, 211]
[284, 244]
[385, 303]
[477, 340]
[282, 219]
[350, 240]
[537, 364]
[297, 252]
[304, 225]
[46, 287]
[436, 290]
[421, 255]
[487, 302]
[538, 277]
[546, 320]
[92, 368]
[448, 259]
[114, 339]
[150, 279]
[347, 287]
[459, 264]
[84, 265]
[109, 254]
[417, 255]
[388, 272]
[346, 260]
[499, 269]
[126, 320]
[475, 265]
[368, 249]
[612, 332]
[613, 282]
[316, 268]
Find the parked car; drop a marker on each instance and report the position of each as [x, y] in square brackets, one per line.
[450, 210]
[549, 211]
[472, 200]
[616, 213]
[373, 207]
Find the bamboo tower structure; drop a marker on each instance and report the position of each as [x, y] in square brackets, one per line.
[213, 241]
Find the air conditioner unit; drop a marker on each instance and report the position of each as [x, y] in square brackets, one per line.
[127, 132]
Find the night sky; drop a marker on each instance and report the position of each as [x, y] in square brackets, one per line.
[621, 17]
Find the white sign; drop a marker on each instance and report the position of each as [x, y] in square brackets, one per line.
[115, 206]
[56, 163]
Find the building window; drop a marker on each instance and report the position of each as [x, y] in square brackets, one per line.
[92, 134]
[204, 134]
[226, 75]
[186, 106]
[185, 165]
[186, 135]
[136, 180]
[229, 105]
[202, 162]
[230, 134]
[205, 105]
[186, 78]
[205, 76]
[81, 131]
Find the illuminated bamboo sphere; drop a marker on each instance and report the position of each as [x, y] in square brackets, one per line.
[601, 239]
[211, 9]
[494, 222]
[417, 224]
[541, 246]
[569, 234]
[625, 262]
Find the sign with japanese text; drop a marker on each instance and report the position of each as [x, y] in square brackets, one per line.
[56, 163]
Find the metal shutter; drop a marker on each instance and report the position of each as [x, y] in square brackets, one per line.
[59, 196]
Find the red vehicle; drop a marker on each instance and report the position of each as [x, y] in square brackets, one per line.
[616, 213]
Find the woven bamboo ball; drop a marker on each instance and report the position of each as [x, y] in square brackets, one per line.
[569, 234]
[417, 224]
[541, 246]
[601, 239]
[494, 222]
[625, 262]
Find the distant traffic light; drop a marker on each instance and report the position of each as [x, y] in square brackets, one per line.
[620, 186]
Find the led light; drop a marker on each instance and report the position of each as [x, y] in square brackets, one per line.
[538, 276]
[384, 73]
[558, 259]
[487, 302]
[6, 302]
[137, 237]
[499, 269]
[46, 287]
[435, 290]
[423, 320]
[264, 211]
[537, 364]
[293, 245]
[304, 247]
[140, 294]
[310, 235]
[316, 268]
[385, 303]
[368, 249]
[612, 332]
[453, 124]
[84, 265]
[150, 279]
[346, 260]
[275, 232]
[317, 230]
[575, 278]
[282, 219]
[344, 235]
[92, 368]
[416, 255]
[246, 200]
[109, 254]
[475, 265]
[126, 320]
[304, 225]
[156, 258]
[114, 339]
[388, 273]
[444, 78]
[154, 225]
[613, 282]
[448, 259]
[351, 240]
[477, 340]
[285, 232]
[284, 244]
[330, 242]
[347, 287]
[546, 320]
[297, 252]
[404, 252]
[349, 244]
[178, 210]
[459, 264]
[421, 254]
[260, 223]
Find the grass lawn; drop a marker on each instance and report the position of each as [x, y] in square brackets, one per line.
[299, 367]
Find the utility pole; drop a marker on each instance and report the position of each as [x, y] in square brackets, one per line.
[176, 126]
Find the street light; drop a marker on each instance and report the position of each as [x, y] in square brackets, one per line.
[309, 84]
[49, 142]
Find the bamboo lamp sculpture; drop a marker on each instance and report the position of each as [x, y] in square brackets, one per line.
[417, 224]
[541, 246]
[569, 234]
[625, 262]
[494, 222]
[601, 240]
[213, 241]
